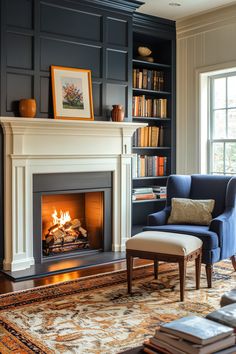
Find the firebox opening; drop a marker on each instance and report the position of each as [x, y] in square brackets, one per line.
[72, 222]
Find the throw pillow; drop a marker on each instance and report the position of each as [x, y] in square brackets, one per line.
[191, 211]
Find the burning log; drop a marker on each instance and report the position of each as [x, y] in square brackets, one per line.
[67, 225]
[69, 234]
[83, 231]
[52, 228]
[75, 224]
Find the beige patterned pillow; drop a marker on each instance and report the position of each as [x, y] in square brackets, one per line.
[191, 211]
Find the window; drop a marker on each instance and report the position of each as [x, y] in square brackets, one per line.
[222, 124]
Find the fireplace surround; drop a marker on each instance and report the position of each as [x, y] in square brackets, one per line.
[46, 146]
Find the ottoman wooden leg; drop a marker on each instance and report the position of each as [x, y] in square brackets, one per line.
[198, 261]
[129, 263]
[182, 275]
[155, 268]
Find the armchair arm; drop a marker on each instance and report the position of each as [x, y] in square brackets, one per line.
[158, 218]
[224, 226]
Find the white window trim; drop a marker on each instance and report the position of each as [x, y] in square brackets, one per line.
[202, 107]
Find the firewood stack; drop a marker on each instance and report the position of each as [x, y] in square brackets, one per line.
[65, 237]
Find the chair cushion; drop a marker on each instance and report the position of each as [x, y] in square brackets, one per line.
[189, 211]
[163, 242]
[209, 238]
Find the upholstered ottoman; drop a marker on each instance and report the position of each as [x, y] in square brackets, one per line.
[168, 247]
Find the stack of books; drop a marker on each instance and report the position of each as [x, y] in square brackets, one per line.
[192, 335]
[160, 191]
[143, 193]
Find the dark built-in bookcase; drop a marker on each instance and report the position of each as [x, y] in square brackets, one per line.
[158, 35]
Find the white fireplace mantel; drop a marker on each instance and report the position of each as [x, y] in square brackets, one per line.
[33, 146]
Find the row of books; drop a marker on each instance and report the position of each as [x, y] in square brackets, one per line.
[149, 107]
[148, 166]
[196, 335]
[150, 136]
[146, 193]
[148, 79]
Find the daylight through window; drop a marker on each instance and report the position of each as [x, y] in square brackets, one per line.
[222, 124]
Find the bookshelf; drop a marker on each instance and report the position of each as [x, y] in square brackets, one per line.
[153, 102]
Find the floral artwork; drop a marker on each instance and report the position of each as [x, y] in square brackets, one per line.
[72, 93]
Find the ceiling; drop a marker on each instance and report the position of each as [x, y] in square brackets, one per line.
[161, 8]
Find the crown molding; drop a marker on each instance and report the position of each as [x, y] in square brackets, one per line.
[156, 24]
[206, 22]
[120, 5]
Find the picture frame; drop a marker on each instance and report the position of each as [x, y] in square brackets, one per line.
[72, 93]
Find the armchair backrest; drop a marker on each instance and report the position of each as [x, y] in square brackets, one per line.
[203, 187]
[210, 187]
[178, 186]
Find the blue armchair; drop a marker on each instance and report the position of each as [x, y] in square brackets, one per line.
[219, 238]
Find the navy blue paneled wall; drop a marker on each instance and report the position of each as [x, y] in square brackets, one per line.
[95, 35]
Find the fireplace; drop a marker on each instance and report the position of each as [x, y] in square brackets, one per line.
[72, 214]
[37, 166]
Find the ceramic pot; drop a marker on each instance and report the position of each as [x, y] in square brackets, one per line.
[27, 107]
[117, 113]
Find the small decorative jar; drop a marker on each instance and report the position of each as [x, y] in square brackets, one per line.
[117, 113]
[27, 107]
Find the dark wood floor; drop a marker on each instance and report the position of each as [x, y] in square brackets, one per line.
[7, 285]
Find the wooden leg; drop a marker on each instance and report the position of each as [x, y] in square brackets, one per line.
[233, 260]
[198, 261]
[209, 271]
[155, 268]
[182, 275]
[129, 262]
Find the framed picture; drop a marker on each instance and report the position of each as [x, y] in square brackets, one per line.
[72, 93]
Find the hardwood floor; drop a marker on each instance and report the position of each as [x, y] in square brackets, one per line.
[7, 286]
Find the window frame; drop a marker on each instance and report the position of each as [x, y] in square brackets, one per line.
[211, 140]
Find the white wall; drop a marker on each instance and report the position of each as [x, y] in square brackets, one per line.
[204, 43]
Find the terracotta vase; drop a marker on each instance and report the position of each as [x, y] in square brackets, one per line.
[117, 113]
[27, 107]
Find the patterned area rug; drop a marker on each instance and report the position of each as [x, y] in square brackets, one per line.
[95, 315]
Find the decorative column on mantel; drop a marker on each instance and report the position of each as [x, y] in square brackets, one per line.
[33, 146]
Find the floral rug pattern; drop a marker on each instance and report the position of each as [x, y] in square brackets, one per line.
[96, 315]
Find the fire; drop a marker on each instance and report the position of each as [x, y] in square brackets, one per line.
[62, 219]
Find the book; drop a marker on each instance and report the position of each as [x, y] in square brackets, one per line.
[231, 350]
[197, 329]
[191, 348]
[144, 196]
[161, 347]
[142, 190]
[225, 315]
